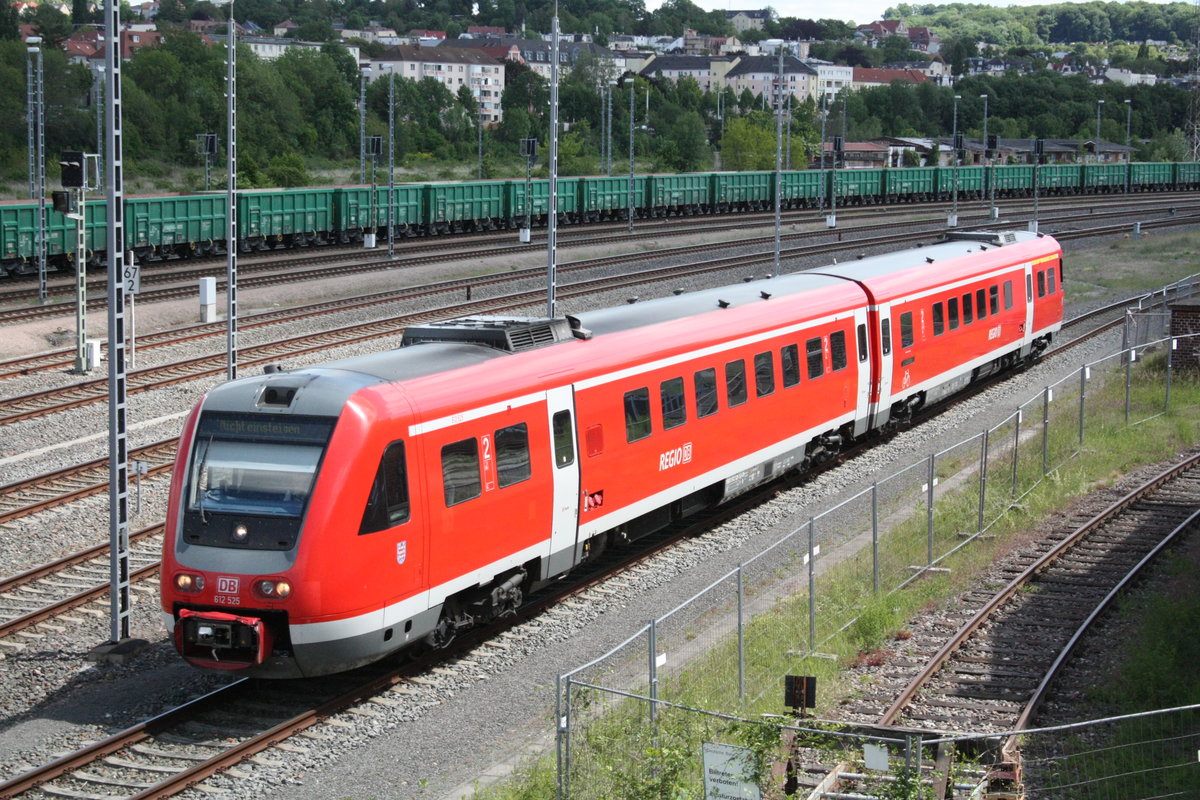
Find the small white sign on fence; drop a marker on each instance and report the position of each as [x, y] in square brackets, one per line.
[727, 771]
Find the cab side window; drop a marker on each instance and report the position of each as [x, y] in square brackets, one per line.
[460, 471]
[1041, 279]
[388, 504]
[939, 321]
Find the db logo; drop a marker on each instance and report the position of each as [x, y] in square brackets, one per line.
[227, 585]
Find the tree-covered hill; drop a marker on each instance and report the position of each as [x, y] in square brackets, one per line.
[1058, 22]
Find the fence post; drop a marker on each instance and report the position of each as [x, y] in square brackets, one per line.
[983, 461]
[1046, 395]
[875, 536]
[562, 742]
[1082, 400]
[929, 512]
[1016, 452]
[1170, 360]
[1129, 357]
[652, 647]
[812, 588]
[741, 595]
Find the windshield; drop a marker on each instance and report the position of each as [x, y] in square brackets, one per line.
[258, 478]
[245, 464]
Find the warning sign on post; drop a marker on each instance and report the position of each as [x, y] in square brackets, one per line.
[728, 773]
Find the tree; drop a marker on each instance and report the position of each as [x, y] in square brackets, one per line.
[287, 170]
[747, 144]
[80, 15]
[52, 25]
[10, 23]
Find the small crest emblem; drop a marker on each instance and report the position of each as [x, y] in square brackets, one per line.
[401, 551]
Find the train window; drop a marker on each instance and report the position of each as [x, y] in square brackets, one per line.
[816, 358]
[981, 303]
[637, 414]
[460, 471]
[564, 439]
[387, 505]
[1050, 279]
[674, 409]
[885, 336]
[939, 322]
[790, 356]
[764, 374]
[1008, 295]
[1041, 284]
[952, 312]
[837, 349]
[512, 455]
[705, 382]
[968, 315]
[862, 342]
[906, 329]
[735, 382]
[994, 299]
[1028, 288]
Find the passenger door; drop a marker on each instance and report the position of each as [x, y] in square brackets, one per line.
[564, 467]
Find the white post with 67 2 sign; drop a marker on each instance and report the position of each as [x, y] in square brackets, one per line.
[133, 285]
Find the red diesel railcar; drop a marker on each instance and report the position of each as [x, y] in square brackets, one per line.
[324, 517]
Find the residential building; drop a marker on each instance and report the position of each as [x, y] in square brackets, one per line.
[748, 20]
[759, 74]
[284, 28]
[708, 71]
[537, 52]
[831, 78]
[934, 70]
[1129, 78]
[453, 67]
[865, 77]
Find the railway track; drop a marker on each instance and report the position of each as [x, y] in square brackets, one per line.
[272, 273]
[986, 665]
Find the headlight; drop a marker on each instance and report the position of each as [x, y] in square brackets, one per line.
[189, 583]
[273, 588]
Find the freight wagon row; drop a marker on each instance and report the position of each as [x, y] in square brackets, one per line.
[182, 226]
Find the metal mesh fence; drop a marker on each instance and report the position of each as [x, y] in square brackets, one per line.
[725, 651]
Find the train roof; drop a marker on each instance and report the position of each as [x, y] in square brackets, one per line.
[959, 244]
[692, 304]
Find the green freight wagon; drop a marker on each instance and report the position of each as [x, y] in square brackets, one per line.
[802, 188]
[352, 211]
[285, 218]
[175, 226]
[1060, 178]
[18, 236]
[1187, 175]
[909, 184]
[970, 182]
[741, 190]
[1012, 180]
[539, 206]
[469, 206]
[1104, 178]
[608, 197]
[857, 186]
[1156, 176]
[685, 193]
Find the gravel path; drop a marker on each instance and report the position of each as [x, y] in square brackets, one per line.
[52, 699]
